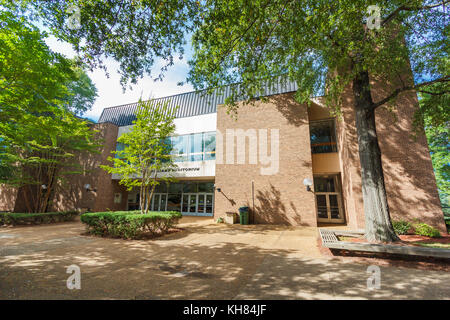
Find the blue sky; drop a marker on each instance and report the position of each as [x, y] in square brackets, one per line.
[110, 92]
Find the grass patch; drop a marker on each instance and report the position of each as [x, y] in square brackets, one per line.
[434, 245]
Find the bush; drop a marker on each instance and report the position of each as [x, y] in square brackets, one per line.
[129, 224]
[9, 218]
[401, 227]
[422, 229]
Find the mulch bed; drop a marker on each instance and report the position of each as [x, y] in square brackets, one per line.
[386, 259]
[406, 240]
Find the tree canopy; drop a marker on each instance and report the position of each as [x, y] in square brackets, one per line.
[40, 91]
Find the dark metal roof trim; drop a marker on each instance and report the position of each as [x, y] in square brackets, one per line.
[190, 103]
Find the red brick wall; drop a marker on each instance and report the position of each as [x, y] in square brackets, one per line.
[408, 172]
[7, 198]
[71, 194]
[280, 198]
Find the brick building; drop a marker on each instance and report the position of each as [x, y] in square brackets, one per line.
[261, 160]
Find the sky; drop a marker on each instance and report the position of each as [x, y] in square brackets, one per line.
[109, 90]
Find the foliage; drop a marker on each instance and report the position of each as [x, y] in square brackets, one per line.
[424, 229]
[82, 91]
[434, 116]
[8, 218]
[134, 33]
[129, 224]
[145, 160]
[220, 220]
[39, 137]
[401, 227]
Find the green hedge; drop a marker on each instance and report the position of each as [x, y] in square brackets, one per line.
[9, 218]
[129, 224]
[423, 229]
[401, 227]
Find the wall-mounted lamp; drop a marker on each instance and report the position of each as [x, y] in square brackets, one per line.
[218, 189]
[308, 183]
[87, 186]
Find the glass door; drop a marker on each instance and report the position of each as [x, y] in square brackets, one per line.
[159, 202]
[328, 199]
[189, 203]
[209, 204]
[200, 204]
[192, 203]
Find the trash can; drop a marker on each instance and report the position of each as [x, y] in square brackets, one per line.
[243, 215]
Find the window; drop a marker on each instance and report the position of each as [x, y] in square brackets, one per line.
[180, 148]
[210, 145]
[323, 136]
[188, 147]
[119, 147]
[196, 147]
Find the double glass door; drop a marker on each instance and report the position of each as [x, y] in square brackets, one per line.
[197, 203]
[200, 204]
[328, 199]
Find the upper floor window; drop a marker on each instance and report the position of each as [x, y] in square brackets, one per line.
[189, 147]
[323, 136]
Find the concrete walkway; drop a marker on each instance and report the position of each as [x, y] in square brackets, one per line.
[205, 261]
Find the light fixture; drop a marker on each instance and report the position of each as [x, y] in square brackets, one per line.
[218, 189]
[87, 186]
[308, 183]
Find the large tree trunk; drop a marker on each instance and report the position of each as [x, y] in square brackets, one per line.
[376, 209]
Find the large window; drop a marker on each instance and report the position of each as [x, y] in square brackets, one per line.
[323, 136]
[194, 147]
[180, 148]
[189, 147]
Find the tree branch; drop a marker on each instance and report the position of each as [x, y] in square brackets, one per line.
[407, 88]
[391, 16]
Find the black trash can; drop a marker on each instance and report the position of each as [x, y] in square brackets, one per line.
[243, 215]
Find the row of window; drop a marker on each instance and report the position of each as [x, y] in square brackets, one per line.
[202, 146]
[194, 147]
[189, 147]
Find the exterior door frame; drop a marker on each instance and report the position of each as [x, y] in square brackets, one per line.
[327, 197]
[197, 195]
[338, 193]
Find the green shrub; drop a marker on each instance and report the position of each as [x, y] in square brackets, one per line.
[9, 218]
[422, 229]
[129, 224]
[401, 227]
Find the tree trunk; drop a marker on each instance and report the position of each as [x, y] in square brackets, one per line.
[376, 209]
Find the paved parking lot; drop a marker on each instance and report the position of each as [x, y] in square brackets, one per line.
[204, 261]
